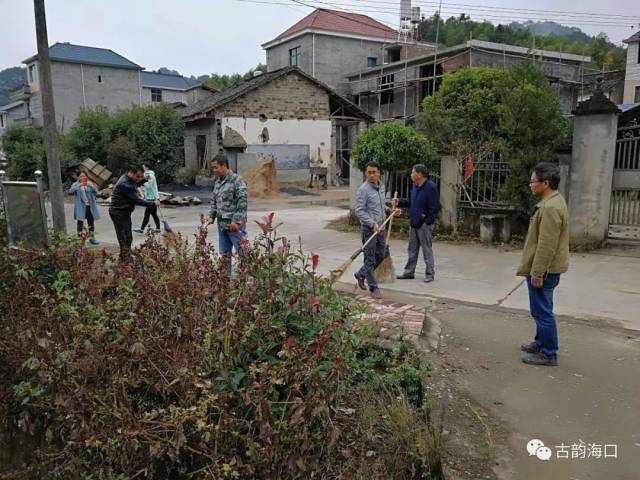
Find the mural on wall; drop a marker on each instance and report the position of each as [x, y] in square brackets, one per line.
[286, 157]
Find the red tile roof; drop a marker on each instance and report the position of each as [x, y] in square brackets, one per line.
[341, 22]
[633, 38]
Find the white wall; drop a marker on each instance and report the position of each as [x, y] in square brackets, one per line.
[315, 133]
[632, 77]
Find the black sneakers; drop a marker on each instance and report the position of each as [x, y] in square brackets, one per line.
[541, 359]
[405, 276]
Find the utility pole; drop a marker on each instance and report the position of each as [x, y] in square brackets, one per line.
[49, 119]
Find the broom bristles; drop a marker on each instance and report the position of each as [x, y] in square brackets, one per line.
[386, 272]
[338, 272]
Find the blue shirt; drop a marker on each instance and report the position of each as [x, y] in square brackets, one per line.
[423, 204]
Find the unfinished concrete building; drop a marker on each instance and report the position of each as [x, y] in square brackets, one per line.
[396, 89]
[328, 44]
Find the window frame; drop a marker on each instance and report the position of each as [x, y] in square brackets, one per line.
[385, 85]
[32, 73]
[295, 53]
[156, 95]
[369, 63]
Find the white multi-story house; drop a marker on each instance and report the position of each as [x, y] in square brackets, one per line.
[98, 78]
[632, 76]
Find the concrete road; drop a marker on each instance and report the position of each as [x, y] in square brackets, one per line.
[601, 287]
[593, 396]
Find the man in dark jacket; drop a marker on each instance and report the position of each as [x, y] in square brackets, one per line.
[123, 202]
[423, 206]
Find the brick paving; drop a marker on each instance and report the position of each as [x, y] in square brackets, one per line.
[395, 319]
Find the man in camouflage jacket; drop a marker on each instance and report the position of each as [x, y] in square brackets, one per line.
[229, 207]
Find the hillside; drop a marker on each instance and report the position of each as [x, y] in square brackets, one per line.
[10, 78]
[545, 35]
[572, 34]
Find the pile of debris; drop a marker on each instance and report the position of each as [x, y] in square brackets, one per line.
[261, 180]
[104, 198]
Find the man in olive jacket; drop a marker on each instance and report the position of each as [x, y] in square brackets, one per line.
[545, 257]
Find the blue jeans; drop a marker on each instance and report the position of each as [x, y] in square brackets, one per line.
[541, 306]
[227, 241]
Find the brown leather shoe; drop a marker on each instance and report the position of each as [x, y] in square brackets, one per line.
[361, 283]
[376, 293]
[530, 347]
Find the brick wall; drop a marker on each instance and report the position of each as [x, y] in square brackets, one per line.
[288, 97]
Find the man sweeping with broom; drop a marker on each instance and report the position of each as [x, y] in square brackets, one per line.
[372, 212]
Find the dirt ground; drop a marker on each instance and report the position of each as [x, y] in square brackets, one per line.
[493, 405]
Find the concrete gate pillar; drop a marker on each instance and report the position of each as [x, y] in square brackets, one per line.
[591, 173]
[449, 181]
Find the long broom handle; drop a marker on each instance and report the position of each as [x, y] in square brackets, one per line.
[395, 197]
[359, 251]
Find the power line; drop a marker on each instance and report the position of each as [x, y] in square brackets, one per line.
[497, 15]
[315, 7]
[513, 9]
[315, 4]
[448, 12]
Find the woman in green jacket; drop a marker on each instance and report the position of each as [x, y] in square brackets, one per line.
[150, 194]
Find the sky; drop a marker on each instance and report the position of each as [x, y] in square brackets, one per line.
[199, 37]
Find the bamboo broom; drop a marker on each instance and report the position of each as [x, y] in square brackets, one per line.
[338, 272]
[385, 271]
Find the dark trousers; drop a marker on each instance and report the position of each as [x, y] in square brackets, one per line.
[151, 210]
[374, 253]
[421, 238]
[89, 218]
[541, 306]
[121, 219]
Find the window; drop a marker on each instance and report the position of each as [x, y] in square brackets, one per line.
[156, 95]
[294, 57]
[638, 44]
[385, 85]
[99, 78]
[32, 73]
[371, 62]
[637, 95]
[1, 120]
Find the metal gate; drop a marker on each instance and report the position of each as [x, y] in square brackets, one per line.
[624, 214]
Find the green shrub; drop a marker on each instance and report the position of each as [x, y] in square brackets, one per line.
[150, 134]
[24, 149]
[512, 113]
[394, 146]
[161, 366]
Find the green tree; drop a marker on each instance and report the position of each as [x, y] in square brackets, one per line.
[457, 30]
[513, 113]
[151, 134]
[394, 146]
[223, 81]
[463, 114]
[89, 136]
[531, 128]
[156, 137]
[24, 149]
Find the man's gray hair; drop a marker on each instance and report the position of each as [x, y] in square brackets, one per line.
[421, 169]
